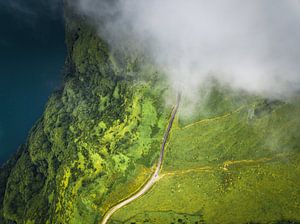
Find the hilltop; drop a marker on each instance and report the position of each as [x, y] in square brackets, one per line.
[235, 160]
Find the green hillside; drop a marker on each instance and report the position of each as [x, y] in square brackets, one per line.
[234, 160]
[240, 167]
[96, 141]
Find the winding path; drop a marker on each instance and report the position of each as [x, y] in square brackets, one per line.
[154, 176]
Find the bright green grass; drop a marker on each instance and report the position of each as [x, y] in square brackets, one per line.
[236, 168]
[235, 136]
[260, 193]
[163, 217]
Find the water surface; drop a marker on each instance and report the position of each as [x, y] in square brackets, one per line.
[32, 53]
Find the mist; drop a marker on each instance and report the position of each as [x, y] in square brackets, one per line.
[249, 45]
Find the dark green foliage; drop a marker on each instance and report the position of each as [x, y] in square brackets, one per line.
[92, 136]
[100, 136]
[4, 174]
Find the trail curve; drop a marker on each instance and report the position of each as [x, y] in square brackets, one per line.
[155, 175]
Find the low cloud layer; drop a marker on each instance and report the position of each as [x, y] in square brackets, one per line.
[250, 45]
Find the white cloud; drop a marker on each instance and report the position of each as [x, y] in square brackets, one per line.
[251, 45]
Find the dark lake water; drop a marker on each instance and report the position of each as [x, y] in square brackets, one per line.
[32, 54]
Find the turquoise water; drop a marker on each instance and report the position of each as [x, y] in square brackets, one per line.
[32, 54]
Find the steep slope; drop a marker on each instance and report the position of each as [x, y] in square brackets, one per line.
[96, 141]
[236, 160]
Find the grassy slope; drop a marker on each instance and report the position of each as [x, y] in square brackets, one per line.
[240, 167]
[100, 136]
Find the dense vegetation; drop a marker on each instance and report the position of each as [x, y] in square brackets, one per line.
[100, 131]
[236, 160]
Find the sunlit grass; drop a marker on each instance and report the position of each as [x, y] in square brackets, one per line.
[233, 168]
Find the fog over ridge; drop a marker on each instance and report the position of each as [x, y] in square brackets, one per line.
[250, 45]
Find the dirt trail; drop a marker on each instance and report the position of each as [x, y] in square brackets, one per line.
[154, 176]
